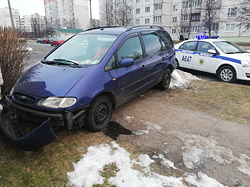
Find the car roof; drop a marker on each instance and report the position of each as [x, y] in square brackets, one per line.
[120, 30]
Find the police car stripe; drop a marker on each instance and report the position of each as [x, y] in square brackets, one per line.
[214, 56]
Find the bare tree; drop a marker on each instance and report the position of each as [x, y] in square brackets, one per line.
[107, 12]
[123, 12]
[210, 11]
[244, 13]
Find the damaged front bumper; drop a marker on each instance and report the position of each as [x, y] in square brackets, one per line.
[16, 118]
[41, 136]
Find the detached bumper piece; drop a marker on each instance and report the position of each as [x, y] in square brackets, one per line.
[15, 132]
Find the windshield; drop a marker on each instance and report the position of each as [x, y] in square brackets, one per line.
[229, 47]
[85, 49]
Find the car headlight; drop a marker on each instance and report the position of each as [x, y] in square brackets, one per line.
[245, 63]
[57, 102]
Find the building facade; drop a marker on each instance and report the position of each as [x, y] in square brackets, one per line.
[5, 20]
[189, 18]
[67, 14]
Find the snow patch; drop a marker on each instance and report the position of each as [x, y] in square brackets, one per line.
[181, 79]
[202, 180]
[166, 162]
[127, 118]
[197, 147]
[88, 170]
[141, 132]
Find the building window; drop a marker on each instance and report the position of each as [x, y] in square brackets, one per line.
[232, 12]
[138, 10]
[174, 19]
[147, 21]
[195, 29]
[196, 17]
[147, 1]
[196, 3]
[158, 6]
[248, 27]
[186, 4]
[147, 9]
[215, 26]
[230, 27]
[157, 19]
[137, 21]
[184, 29]
[173, 31]
[175, 8]
[185, 17]
[137, 1]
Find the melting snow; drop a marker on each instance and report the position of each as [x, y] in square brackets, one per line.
[197, 147]
[202, 180]
[127, 118]
[88, 170]
[181, 79]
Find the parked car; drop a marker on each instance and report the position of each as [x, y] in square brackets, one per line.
[82, 81]
[39, 40]
[58, 41]
[45, 41]
[209, 54]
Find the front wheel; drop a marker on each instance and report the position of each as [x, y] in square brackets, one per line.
[227, 74]
[99, 114]
[166, 79]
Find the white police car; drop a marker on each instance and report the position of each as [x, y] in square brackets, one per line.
[209, 54]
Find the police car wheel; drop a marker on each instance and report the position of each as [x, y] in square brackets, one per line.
[99, 114]
[166, 79]
[176, 64]
[227, 74]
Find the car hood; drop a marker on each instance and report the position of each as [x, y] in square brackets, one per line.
[44, 80]
[239, 56]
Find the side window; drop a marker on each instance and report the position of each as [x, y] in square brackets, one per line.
[111, 64]
[189, 46]
[130, 49]
[152, 43]
[166, 39]
[204, 47]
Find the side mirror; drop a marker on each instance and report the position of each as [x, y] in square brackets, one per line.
[212, 51]
[126, 62]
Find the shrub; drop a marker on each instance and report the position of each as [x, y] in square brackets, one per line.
[12, 57]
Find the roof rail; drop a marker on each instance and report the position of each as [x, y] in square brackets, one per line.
[143, 26]
[100, 27]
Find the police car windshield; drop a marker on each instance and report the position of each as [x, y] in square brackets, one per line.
[229, 47]
[85, 49]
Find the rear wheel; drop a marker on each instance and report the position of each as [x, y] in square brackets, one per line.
[176, 64]
[166, 79]
[99, 114]
[227, 74]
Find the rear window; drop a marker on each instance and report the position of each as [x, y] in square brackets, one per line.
[166, 39]
[189, 46]
[152, 43]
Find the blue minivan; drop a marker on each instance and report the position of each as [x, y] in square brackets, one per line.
[83, 80]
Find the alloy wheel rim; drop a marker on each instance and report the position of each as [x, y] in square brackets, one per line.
[226, 75]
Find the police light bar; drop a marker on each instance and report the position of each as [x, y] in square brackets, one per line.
[199, 37]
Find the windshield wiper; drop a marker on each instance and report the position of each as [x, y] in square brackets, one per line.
[65, 60]
[62, 62]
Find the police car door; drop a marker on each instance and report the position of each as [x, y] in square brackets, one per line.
[203, 60]
[185, 54]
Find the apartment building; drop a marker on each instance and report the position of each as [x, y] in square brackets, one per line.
[67, 14]
[5, 20]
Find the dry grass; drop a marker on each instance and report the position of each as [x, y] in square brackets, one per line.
[229, 101]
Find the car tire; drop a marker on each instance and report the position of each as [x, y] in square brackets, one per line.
[227, 74]
[99, 114]
[166, 79]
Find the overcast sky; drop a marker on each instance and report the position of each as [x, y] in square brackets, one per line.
[27, 7]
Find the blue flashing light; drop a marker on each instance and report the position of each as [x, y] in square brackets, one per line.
[199, 37]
